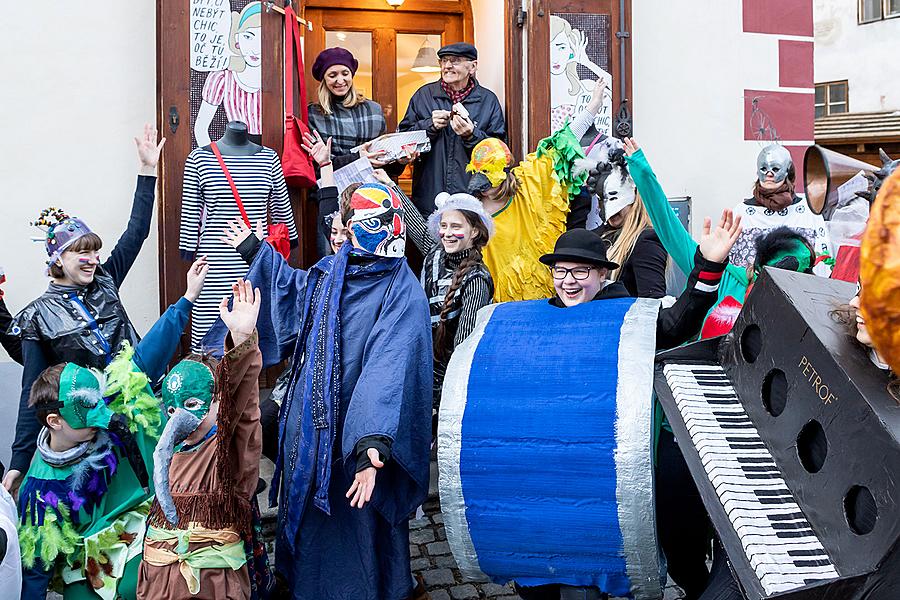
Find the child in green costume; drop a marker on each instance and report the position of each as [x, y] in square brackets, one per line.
[84, 501]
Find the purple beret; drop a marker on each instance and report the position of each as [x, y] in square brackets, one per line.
[333, 56]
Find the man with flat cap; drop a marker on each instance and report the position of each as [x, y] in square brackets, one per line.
[453, 132]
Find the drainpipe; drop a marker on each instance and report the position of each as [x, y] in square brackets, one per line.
[623, 127]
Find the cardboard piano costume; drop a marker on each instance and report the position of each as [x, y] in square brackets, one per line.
[792, 438]
[545, 446]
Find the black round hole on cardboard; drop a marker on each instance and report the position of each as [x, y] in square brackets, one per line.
[812, 447]
[751, 342]
[860, 510]
[774, 392]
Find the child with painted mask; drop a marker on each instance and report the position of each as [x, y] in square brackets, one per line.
[207, 467]
[85, 498]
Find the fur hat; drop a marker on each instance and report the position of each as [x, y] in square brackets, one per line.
[445, 202]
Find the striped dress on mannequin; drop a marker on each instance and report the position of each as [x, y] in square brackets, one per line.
[207, 206]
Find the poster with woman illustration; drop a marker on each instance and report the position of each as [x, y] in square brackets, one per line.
[226, 59]
[579, 55]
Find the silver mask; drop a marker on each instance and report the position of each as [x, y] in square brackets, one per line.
[774, 159]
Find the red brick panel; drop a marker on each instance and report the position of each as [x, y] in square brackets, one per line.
[789, 115]
[785, 17]
[795, 64]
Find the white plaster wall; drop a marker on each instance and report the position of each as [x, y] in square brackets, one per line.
[80, 82]
[861, 54]
[689, 75]
[489, 39]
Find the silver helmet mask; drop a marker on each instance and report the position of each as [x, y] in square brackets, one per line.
[774, 159]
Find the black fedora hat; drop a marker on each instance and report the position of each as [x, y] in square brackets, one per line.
[581, 246]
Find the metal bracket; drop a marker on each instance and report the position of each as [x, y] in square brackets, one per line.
[623, 34]
[174, 119]
[521, 15]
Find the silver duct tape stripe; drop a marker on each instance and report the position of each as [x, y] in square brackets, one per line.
[453, 407]
[634, 448]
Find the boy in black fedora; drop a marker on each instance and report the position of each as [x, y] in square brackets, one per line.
[579, 267]
[457, 113]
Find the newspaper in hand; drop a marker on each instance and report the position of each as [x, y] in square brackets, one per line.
[359, 171]
[398, 145]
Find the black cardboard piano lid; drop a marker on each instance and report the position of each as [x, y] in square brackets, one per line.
[815, 300]
[837, 416]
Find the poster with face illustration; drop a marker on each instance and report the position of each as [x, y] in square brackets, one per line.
[226, 60]
[579, 55]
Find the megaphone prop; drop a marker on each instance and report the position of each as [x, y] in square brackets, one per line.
[824, 171]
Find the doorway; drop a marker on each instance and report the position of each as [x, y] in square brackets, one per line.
[386, 43]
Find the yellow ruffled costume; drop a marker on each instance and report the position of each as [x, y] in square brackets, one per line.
[528, 226]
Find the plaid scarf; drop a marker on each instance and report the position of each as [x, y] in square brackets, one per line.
[461, 94]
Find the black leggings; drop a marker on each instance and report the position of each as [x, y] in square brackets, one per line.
[681, 520]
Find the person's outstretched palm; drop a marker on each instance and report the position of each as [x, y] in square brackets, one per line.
[241, 319]
[147, 148]
[716, 244]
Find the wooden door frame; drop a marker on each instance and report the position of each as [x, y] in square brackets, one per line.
[414, 16]
[537, 20]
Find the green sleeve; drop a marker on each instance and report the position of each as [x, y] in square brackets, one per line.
[674, 237]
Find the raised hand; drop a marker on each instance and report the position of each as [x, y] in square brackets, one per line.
[238, 231]
[382, 177]
[716, 244]
[147, 148]
[363, 485]
[597, 94]
[196, 276]
[631, 146]
[241, 319]
[318, 149]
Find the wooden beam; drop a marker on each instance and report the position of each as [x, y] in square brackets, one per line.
[430, 6]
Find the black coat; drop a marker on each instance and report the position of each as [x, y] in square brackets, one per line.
[444, 168]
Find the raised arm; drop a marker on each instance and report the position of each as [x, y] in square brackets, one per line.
[683, 320]
[10, 343]
[158, 347]
[241, 352]
[674, 237]
[129, 245]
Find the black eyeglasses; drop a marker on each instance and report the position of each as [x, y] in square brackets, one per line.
[578, 273]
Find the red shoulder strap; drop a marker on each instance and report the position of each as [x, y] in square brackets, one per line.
[292, 44]
[237, 197]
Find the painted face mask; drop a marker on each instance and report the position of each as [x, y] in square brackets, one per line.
[81, 401]
[188, 392]
[491, 160]
[773, 159]
[796, 258]
[189, 386]
[377, 222]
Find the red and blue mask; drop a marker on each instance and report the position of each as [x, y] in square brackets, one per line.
[377, 222]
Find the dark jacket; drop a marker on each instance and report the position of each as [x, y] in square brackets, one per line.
[682, 321]
[54, 328]
[644, 271]
[444, 168]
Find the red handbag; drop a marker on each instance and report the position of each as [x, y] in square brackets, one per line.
[279, 236]
[296, 163]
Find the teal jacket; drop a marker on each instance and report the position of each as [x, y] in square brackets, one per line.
[674, 237]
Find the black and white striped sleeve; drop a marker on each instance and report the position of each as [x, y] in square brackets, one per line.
[280, 200]
[191, 205]
[416, 226]
[475, 295]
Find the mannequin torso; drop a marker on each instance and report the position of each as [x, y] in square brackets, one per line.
[236, 141]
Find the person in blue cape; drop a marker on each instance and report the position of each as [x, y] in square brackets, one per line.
[355, 423]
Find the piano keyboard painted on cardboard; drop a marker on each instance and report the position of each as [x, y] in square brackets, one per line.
[777, 539]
